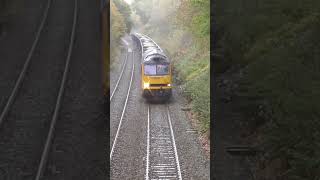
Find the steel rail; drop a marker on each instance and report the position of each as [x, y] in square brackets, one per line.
[124, 108]
[148, 145]
[25, 66]
[173, 145]
[124, 65]
[48, 142]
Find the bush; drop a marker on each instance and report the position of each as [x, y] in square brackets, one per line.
[193, 69]
[285, 72]
[198, 89]
[277, 45]
[118, 28]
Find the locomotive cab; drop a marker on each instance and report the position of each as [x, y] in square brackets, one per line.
[156, 76]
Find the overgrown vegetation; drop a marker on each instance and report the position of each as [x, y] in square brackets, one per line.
[182, 29]
[277, 44]
[125, 11]
[120, 25]
[193, 66]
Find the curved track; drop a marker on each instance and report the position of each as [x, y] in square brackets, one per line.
[32, 101]
[116, 86]
[25, 66]
[123, 110]
[78, 149]
[44, 155]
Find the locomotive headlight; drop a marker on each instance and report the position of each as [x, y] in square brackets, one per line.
[146, 85]
[169, 85]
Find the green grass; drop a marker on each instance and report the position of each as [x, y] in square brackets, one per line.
[198, 89]
[193, 68]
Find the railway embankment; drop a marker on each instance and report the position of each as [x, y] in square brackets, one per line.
[272, 51]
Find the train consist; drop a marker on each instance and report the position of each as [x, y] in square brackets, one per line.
[156, 69]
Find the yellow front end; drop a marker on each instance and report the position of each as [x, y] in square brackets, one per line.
[156, 85]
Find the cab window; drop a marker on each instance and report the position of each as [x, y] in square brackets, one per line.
[150, 70]
[159, 69]
[162, 69]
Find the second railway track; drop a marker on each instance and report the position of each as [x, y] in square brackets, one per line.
[120, 77]
[118, 120]
[34, 104]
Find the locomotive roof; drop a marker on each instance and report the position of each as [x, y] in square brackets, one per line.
[151, 52]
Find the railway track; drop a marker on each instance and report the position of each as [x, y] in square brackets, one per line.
[124, 106]
[160, 156]
[29, 108]
[162, 161]
[25, 66]
[45, 152]
[121, 73]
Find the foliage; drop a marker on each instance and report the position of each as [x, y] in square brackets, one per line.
[192, 61]
[125, 10]
[120, 24]
[286, 69]
[118, 27]
[198, 13]
[193, 66]
[278, 45]
[241, 23]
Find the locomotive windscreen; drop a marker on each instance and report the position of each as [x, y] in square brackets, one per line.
[156, 69]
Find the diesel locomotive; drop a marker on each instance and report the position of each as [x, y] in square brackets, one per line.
[156, 69]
